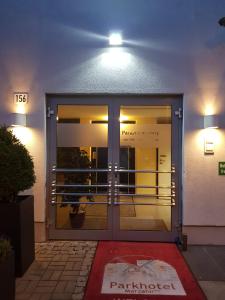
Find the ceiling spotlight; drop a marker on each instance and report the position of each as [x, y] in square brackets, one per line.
[222, 21]
[115, 39]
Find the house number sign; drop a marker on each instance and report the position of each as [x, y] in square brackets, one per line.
[20, 98]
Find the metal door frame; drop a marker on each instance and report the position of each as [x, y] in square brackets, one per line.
[114, 102]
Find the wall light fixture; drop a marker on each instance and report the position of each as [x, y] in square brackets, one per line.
[18, 119]
[115, 39]
[211, 122]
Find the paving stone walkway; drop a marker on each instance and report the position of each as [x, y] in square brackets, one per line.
[59, 272]
[61, 268]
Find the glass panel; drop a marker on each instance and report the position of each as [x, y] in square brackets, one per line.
[82, 143]
[145, 144]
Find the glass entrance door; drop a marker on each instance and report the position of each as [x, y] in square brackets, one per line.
[81, 173]
[113, 169]
[144, 205]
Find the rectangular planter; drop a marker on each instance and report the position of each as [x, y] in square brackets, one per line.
[7, 275]
[17, 222]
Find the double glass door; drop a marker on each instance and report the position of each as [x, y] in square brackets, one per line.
[113, 168]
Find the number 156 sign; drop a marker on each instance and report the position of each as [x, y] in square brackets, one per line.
[20, 98]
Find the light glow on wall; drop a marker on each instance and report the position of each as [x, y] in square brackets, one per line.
[116, 58]
[213, 135]
[209, 136]
[24, 134]
[21, 108]
[209, 109]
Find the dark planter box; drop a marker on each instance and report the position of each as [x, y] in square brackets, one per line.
[7, 275]
[17, 222]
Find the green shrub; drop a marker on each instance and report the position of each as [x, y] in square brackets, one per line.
[5, 248]
[16, 166]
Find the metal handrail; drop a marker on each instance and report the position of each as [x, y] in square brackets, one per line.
[79, 194]
[143, 171]
[145, 203]
[59, 170]
[116, 193]
[80, 185]
[116, 203]
[53, 193]
[77, 202]
[144, 186]
[116, 185]
[145, 195]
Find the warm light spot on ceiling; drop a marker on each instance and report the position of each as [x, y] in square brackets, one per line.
[123, 118]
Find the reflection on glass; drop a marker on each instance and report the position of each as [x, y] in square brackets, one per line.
[81, 135]
[146, 132]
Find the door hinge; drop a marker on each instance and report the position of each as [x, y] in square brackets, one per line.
[50, 112]
[179, 113]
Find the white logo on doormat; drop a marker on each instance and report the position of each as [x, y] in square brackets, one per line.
[154, 277]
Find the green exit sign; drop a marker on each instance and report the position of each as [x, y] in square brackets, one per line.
[222, 168]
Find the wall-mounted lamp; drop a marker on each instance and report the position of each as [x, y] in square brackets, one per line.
[210, 122]
[18, 119]
[115, 39]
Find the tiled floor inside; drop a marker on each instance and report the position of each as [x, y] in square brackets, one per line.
[60, 270]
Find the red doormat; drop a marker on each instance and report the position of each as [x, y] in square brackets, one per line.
[140, 271]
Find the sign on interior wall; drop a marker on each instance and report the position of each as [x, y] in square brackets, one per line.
[95, 135]
[20, 98]
[151, 135]
[221, 168]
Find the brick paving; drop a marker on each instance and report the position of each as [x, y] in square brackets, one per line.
[59, 272]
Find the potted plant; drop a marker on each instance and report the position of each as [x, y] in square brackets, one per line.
[16, 211]
[7, 272]
[74, 158]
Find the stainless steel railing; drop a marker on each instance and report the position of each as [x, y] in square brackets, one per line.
[113, 193]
